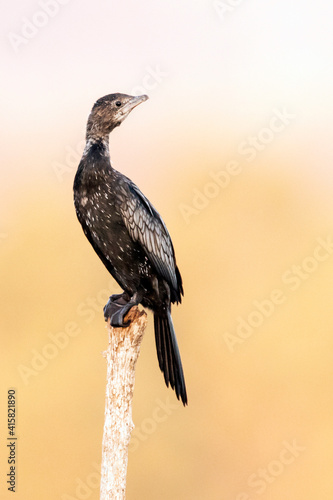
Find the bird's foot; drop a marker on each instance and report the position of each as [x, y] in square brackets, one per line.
[114, 303]
[116, 309]
[117, 318]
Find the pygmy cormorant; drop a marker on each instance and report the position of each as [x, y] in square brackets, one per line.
[129, 236]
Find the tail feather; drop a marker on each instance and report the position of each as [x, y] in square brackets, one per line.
[168, 355]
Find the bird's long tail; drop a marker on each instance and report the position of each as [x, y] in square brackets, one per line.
[168, 354]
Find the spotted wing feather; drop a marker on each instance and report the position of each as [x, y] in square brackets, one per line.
[146, 226]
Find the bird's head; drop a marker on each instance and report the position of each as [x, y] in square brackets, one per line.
[109, 111]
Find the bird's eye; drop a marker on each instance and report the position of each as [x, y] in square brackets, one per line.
[118, 103]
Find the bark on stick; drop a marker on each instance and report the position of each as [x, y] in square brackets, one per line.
[121, 356]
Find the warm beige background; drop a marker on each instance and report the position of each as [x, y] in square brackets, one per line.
[221, 78]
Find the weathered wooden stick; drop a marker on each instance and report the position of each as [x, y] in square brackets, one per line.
[121, 356]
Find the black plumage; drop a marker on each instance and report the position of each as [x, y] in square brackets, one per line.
[129, 236]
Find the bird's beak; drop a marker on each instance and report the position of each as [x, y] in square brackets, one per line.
[133, 102]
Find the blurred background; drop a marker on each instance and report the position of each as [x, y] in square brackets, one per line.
[234, 148]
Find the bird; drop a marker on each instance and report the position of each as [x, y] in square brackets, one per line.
[129, 236]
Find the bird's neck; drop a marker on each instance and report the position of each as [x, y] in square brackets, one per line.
[97, 147]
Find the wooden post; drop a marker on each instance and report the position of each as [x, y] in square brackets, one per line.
[121, 356]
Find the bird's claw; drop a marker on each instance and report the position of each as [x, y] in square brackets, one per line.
[116, 309]
[117, 319]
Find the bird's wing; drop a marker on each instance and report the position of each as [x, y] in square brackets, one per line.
[146, 226]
